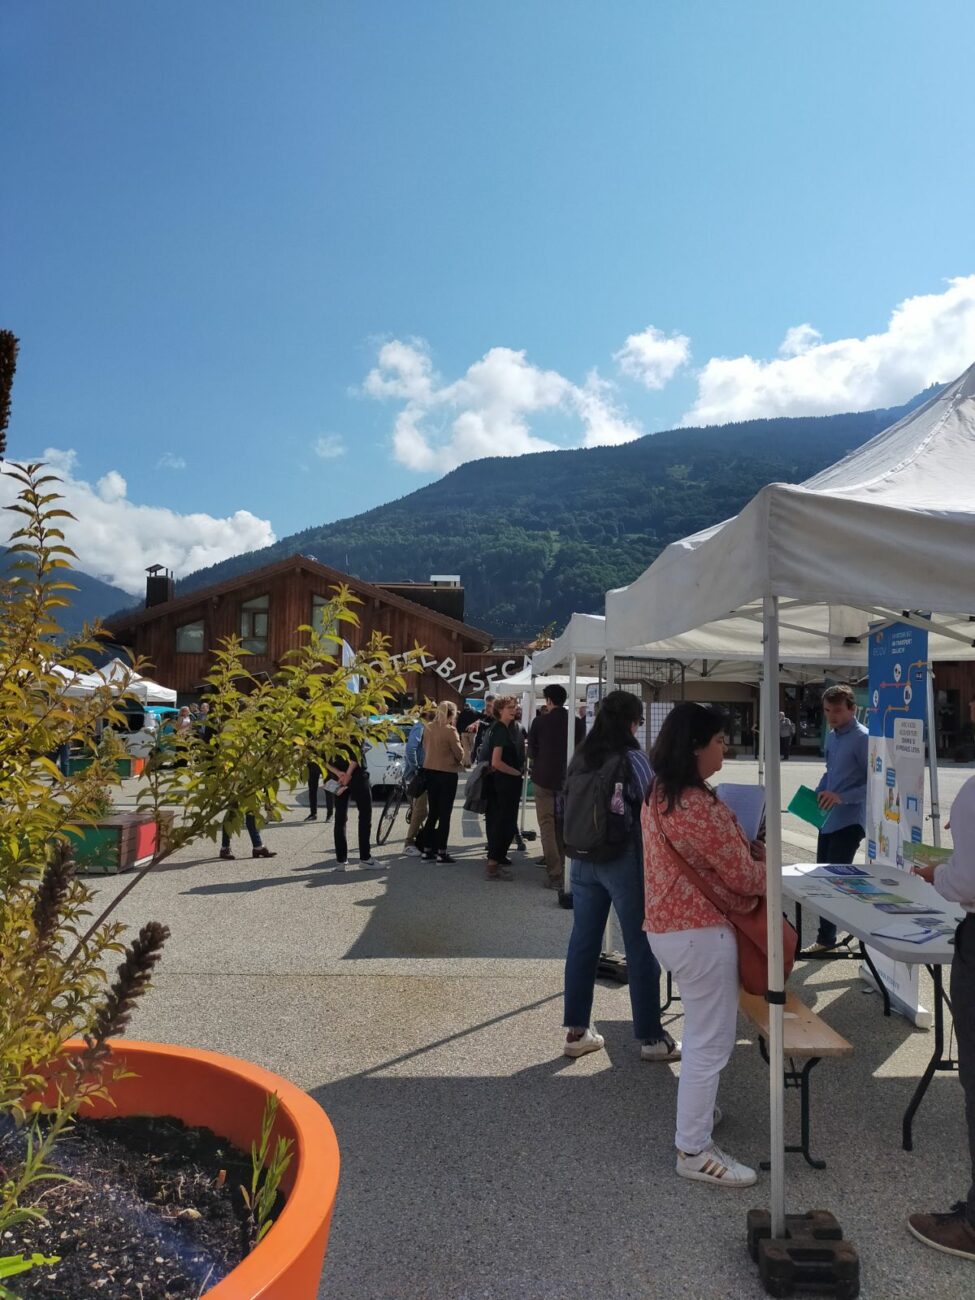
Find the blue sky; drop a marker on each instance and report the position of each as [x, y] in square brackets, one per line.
[272, 264]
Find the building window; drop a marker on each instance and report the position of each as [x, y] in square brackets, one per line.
[189, 638]
[319, 610]
[253, 625]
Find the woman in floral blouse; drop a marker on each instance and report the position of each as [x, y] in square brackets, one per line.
[684, 820]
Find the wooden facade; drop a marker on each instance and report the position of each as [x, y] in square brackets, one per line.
[201, 620]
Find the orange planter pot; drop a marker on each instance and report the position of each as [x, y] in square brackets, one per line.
[228, 1096]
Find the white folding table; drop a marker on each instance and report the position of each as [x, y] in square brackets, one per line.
[808, 884]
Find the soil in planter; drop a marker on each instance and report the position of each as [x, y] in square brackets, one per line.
[155, 1213]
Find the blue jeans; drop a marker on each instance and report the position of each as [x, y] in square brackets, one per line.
[595, 885]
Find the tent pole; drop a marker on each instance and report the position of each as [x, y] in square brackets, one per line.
[762, 710]
[528, 716]
[773, 858]
[933, 761]
[570, 737]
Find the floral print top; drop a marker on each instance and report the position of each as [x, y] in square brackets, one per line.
[705, 832]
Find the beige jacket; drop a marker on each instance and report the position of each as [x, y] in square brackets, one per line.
[442, 750]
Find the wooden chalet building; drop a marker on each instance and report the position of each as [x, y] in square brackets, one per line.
[265, 608]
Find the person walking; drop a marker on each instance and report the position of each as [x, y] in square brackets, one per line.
[258, 848]
[353, 782]
[787, 730]
[842, 790]
[547, 746]
[615, 881]
[443, 758]
[412, 765]
[953, 1232]
[683, 821]
[502, 787]
[314, 776]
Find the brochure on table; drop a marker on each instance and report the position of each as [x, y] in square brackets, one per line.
[896, 711]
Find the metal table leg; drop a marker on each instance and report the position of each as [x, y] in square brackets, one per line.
[938, 1059]
[876, 978]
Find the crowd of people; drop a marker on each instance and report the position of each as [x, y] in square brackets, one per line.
[643, 832]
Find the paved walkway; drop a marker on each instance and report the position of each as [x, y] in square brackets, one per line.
[422, 1006]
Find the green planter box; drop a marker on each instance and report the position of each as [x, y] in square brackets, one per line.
[118, 843]
[123, 766]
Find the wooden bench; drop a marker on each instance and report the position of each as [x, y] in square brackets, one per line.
[806, 1038]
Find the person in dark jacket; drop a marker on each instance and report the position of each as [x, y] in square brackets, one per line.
[547, 749]
[353, 782]
[503, 787]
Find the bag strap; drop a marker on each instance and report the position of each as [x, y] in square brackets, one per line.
[689, 872]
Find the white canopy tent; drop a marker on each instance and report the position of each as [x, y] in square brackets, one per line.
[886, 533]
[144, 689]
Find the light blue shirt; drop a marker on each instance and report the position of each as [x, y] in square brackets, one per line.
[413, 754]
[847, 754]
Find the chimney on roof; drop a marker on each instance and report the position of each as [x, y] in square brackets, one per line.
[160, 585]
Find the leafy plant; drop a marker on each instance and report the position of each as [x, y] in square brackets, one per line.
[11, 1265]
[268, 1167]
[53, 956]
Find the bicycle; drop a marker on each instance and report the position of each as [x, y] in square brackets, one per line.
[395, 798]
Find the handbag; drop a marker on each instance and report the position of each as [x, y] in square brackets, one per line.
[751, 930]
[475, 793]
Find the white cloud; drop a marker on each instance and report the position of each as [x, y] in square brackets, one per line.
[489, 410]
[170, 461]
[329, 447]
[653, 357]
[116, 540]
[929, 339]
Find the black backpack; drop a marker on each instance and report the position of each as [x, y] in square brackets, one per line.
[592, 830]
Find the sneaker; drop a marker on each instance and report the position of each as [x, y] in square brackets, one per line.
[341, 866]
[429, 857]
[312, 817]
[950, 1233]
[371, 862]
[445, 857]
[412, 851]
[712, 1165]
[589, 1042]
[664, 1049]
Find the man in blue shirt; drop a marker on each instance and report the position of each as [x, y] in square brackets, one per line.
[842, 790]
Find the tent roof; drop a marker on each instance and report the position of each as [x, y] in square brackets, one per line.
[889, 528]
[584, 637]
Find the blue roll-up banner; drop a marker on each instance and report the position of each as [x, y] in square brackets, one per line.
[896, 715]
[896, 712]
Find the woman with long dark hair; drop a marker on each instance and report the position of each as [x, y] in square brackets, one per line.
[615, 880]
[684, 822]
[505, 754]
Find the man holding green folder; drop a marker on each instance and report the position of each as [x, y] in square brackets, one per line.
[842, 792]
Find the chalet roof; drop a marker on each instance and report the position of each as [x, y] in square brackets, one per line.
[268, 572]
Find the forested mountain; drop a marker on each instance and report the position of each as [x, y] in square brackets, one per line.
[93, 598]
[537, 537]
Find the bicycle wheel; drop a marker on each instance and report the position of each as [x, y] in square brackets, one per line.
[391, 807]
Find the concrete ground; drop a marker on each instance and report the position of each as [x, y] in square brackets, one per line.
[421, 1005]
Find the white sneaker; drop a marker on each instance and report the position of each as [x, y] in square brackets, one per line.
[412, 851]
[341, 866]
[589, 1042]
[371, 862]
[664, 1049]
[712, 1165]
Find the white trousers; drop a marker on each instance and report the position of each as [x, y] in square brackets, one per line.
[705, 965]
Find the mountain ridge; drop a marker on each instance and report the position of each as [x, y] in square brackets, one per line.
[536, 537]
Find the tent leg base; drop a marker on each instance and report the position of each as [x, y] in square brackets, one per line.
[612, 966]
[811, 1256]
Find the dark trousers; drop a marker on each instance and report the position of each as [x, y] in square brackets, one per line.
[836, 846]
[441, 792]
[250, 825]
[314, 776]
[785, 745]
[501, 816]
[358, 789]
[963, 1013]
